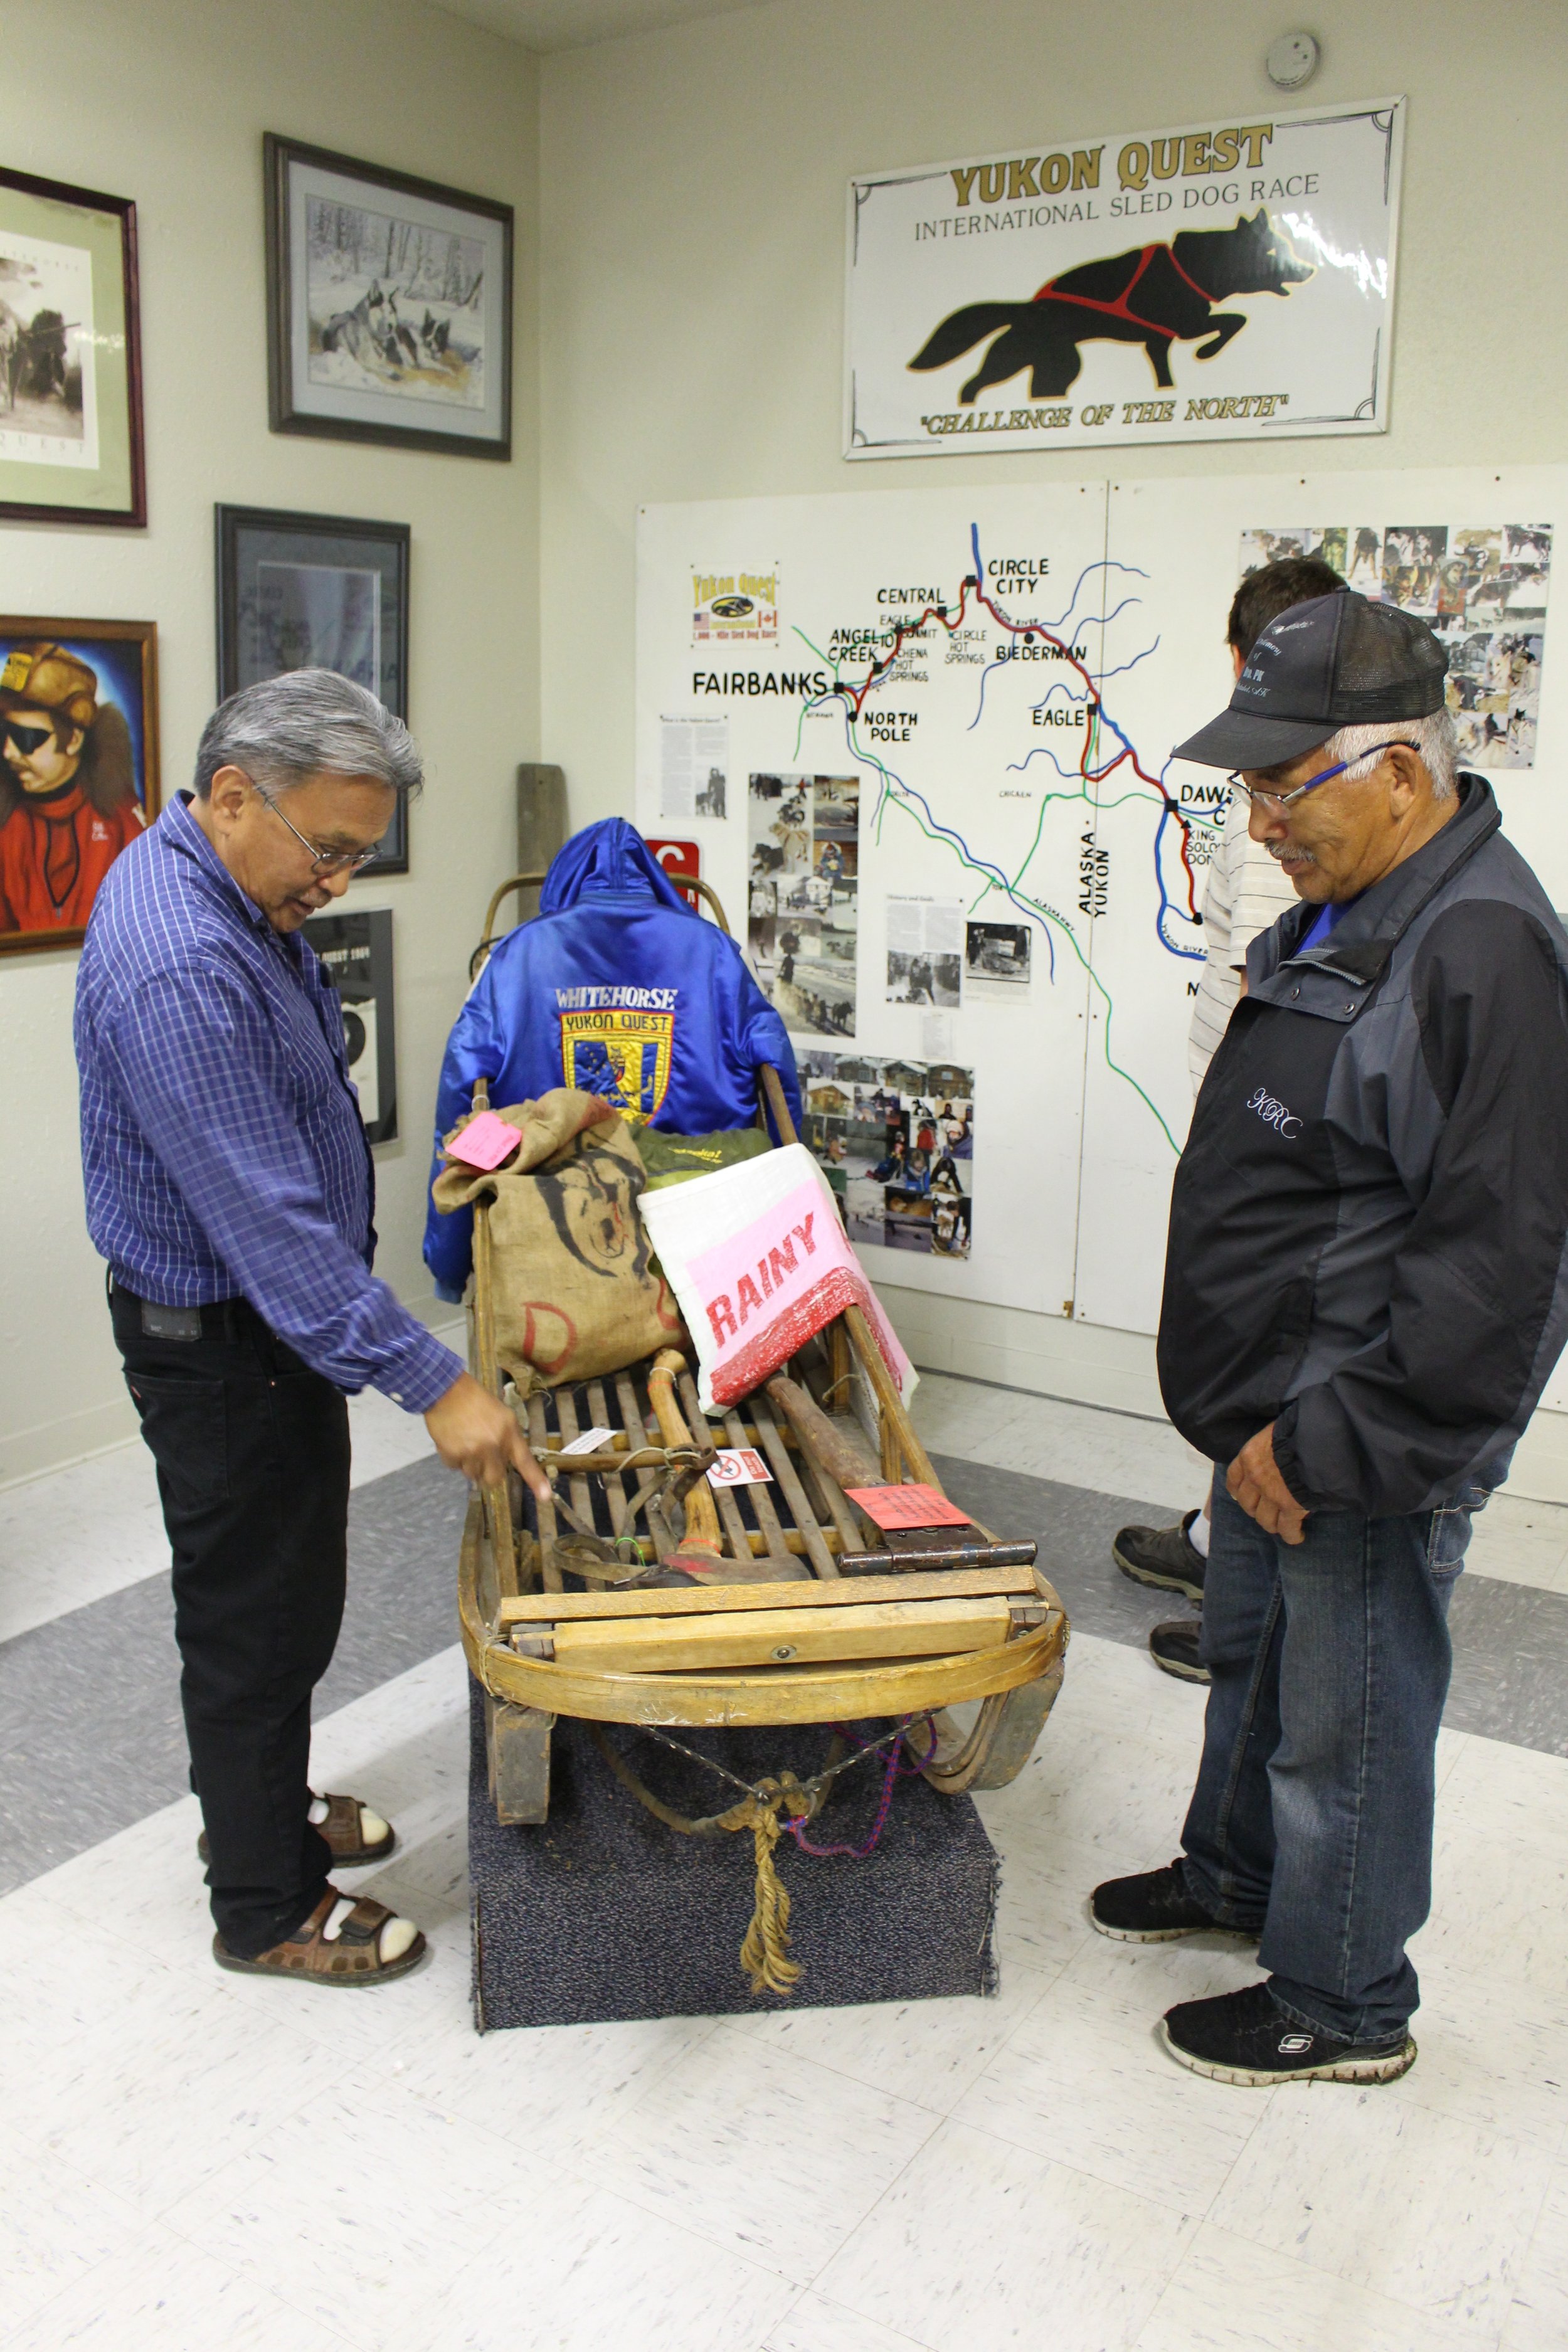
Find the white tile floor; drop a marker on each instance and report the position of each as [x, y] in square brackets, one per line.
[191, 2160]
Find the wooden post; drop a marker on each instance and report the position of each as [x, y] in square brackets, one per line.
[517, 1748]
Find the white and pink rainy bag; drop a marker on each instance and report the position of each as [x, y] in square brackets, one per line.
[758, 1259]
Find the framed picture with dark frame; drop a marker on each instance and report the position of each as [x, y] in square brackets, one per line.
[388, 306]
[79, 768]
[316, 591]
[356, 949]
[70, 356]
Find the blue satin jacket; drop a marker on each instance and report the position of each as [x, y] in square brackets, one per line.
[618, 987]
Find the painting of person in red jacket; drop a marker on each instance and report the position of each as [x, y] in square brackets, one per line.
[71, 796]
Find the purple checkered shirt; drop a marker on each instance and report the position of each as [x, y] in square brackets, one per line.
[222, 1148]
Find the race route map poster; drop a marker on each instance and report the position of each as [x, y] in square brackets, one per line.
[965, 862]
[1226, 281]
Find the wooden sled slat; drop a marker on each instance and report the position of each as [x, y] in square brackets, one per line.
[707, 1601]
[882, 1628]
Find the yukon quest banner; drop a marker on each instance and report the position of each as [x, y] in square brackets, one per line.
[1232, 282]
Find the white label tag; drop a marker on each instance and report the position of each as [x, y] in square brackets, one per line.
[589, 1442]
[739, 1465]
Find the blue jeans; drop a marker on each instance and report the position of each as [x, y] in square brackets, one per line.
[1312, 1820]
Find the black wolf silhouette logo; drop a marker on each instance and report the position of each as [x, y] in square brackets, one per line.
[1155, 294]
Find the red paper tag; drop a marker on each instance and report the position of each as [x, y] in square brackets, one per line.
[907, 1507]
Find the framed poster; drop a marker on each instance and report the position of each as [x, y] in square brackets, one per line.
[388, 306]
[357, 952]
[1229, 282]
[79, 768]
[70, 356]
[316, 591]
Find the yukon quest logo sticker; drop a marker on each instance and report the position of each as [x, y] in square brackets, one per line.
[734, 607]
[1274, 1113]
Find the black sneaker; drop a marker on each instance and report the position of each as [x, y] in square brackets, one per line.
[1174, 1646]
[1247, 2037]
[1163, 1557]
[1154, 1908]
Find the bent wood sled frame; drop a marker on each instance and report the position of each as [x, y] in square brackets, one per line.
[790, 1639]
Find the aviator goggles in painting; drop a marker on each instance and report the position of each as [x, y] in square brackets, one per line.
[27, 740]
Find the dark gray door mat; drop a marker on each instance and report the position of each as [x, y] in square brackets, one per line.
[605, 1913]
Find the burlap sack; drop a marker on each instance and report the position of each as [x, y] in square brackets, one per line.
[576, 1294]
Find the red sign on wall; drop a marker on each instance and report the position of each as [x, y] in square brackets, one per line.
[680, 857]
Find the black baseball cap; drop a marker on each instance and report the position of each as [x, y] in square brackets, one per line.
[1335, 661]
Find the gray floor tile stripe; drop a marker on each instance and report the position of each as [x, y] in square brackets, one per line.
[90, 1738]
[90, 1735]
[1510, 1640]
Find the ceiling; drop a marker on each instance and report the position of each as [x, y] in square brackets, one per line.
[574, 24]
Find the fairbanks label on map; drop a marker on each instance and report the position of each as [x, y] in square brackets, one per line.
[964, 811]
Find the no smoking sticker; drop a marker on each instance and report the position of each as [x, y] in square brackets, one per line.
[739, 1465]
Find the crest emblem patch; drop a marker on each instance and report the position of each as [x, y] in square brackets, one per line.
[621, 1054]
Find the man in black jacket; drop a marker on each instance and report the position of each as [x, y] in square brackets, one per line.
[1366, 1287]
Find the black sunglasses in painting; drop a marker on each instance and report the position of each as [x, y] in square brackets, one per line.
[27, 740]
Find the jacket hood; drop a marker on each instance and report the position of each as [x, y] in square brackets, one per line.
[609, 856]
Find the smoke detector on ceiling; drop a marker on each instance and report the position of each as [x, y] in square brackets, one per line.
[1292, 61]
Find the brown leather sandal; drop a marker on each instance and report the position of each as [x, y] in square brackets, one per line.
[343, 1829]
[339, 1944]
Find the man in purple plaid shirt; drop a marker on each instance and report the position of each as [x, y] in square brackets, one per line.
[230, 1187]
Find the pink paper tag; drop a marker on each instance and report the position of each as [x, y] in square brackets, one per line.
[485, 1142]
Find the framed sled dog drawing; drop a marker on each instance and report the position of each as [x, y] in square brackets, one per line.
[70, 356]
[1229, 282]
[388, 306]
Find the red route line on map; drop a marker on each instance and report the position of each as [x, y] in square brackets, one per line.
[856, 696]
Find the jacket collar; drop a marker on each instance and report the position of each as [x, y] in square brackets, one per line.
[1363, 940]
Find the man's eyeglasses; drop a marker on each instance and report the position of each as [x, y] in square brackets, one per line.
[327, 861]
[1272, 799]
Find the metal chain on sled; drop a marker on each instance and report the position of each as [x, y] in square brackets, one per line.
[764, 1950]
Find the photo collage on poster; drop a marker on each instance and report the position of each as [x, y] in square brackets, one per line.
[1483, 591]
[804, 844]
[896, 1140]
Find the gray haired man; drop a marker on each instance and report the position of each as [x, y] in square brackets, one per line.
[1366, 1287]
[230, 1188]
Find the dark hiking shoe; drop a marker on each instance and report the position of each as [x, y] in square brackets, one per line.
[1174, 1646]
[1247, 2037]
[1154, 1908]
[1163, 1557]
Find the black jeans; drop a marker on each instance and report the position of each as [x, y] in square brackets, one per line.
[252, 1449]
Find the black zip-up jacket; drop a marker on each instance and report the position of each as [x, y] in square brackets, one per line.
[1368, 1223]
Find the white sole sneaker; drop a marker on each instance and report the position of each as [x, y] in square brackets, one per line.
[1343, 2070]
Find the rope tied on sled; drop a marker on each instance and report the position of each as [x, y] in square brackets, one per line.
[767, 1808]
[764, 1950]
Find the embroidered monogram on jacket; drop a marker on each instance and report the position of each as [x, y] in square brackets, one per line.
[1272, 1112]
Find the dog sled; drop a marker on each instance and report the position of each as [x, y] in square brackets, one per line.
[645, 1595]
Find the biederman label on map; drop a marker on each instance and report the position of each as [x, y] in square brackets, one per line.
[1229, 282]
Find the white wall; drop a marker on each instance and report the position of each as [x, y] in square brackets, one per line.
[692, 221]
[166, 101]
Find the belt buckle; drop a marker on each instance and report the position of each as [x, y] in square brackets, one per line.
[170, 1322]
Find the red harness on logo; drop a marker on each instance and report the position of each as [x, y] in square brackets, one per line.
[1121, 306]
